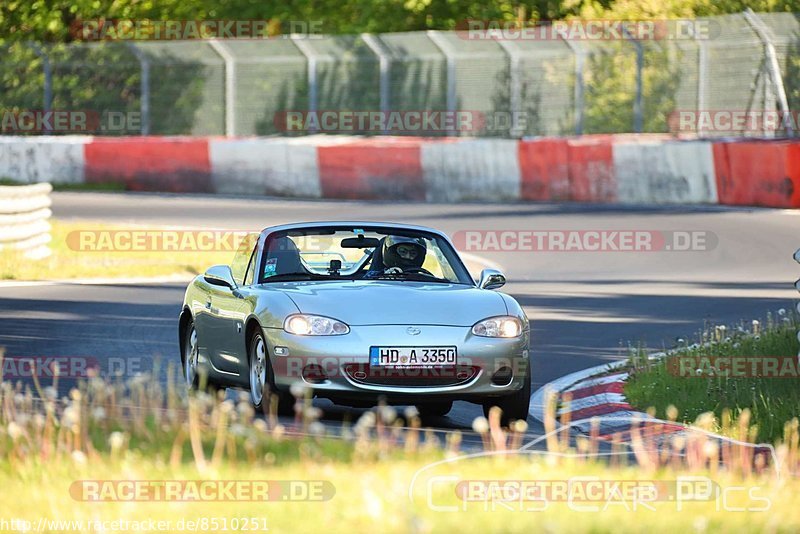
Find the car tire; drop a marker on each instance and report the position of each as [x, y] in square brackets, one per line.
[514, 406]
[261, 374]
[435, 409]
[190, 362]
[189, 358]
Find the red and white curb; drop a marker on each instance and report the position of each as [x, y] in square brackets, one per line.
[595, 396]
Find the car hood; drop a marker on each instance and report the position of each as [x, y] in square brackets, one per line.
[375, 302]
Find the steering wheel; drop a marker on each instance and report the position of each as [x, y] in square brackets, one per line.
[419, 270]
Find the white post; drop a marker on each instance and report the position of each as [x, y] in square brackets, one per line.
[385, 63]
[449, 54]
[230, 85]
[702, 68]
[580, 56]
[47, 99]
[515, 82]
[302, 45]
[772, 65]
[144, 99]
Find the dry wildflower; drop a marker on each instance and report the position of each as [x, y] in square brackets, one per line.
[14, 431]
[116, 440]
[480, 425]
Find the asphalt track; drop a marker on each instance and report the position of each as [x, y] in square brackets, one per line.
[585, 307]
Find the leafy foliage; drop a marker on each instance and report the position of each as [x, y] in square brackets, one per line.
[52, 20]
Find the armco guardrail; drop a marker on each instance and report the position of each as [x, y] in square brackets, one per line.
[24, 211]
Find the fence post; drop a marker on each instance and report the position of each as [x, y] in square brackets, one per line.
[144, 99]
[385, 62]
[230, 86]
[702, 68]
[47, 98]
[444, 47]
[638, 111]
[772, 66]
[580, 59]
[515, 82]
[311, 58]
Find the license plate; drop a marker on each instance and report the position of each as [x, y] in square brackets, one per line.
[412, 356]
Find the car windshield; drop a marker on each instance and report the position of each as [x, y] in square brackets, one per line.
[364, 253]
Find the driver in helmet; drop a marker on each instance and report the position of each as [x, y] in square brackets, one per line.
[402, 253]
[397, 254]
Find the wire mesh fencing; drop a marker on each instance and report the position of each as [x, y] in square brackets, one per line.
[739, 76]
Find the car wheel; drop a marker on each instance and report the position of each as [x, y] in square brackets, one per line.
[190, 356]
[258, 369]
[435, 409]
[261, 375]
[514, 406]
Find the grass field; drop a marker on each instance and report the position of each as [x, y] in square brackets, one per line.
[77, 463]
[712, 383]
[108, 186]
[373, 496]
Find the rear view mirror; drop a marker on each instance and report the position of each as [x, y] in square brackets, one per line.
[360, 242]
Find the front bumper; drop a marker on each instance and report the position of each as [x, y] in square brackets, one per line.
[335, 358]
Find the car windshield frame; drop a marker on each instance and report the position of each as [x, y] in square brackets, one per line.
[450, 254]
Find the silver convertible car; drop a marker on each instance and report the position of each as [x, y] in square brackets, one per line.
[357, 311]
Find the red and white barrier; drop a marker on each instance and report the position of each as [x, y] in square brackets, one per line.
[659, 172]
[472, 169]
[544, 169]
[372, 168]
[758, 173]
[265, 166]
[31, 159]
[172, 164]
[627, 169]
[591, 169]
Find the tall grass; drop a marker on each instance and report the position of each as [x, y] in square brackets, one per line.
[770, 404]
[143, 429]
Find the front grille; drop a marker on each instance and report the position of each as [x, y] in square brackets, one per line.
[417, 377]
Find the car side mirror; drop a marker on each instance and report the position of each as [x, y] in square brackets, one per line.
[491, 279]
[220, 275]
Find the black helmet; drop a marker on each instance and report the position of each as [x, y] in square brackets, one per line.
[403, 252]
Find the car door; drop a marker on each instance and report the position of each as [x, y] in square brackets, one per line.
[226, 310]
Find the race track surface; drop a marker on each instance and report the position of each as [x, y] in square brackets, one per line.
[585, 307]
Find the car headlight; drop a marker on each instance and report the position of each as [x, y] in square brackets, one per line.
[503, 326]
[314, 325]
